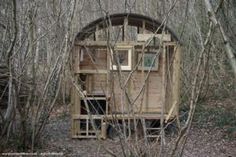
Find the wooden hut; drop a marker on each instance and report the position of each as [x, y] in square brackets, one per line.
[126, 67]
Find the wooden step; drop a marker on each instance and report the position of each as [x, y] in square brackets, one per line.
[153, 136]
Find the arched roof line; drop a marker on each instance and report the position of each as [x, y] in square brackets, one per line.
[118, 19]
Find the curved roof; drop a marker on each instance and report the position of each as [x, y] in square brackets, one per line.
[118, 19]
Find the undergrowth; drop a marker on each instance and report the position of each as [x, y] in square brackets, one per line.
[216, 117]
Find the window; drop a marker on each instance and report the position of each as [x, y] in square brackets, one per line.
[150, 60]
[121, 57]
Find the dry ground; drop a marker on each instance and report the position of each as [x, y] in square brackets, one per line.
[201, 142]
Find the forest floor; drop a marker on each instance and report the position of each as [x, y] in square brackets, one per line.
[202, 141]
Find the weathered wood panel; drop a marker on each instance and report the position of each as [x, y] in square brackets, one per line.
[145, 37]
[93, 59]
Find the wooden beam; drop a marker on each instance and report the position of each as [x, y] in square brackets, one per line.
[147, 94]
[87, 126]
[163, 77]
[145, 37]
[85, 116]
[125, 33]
[176, 78]
[108, 93]
[156, 115]
[104, 43]
[76, 58]
[143, 27]
[103, 130]
[172, 109]
[75, 110]
[171, 43]
[92, 71]
[76, 99]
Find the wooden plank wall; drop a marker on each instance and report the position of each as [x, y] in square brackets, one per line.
[173, 80]
[151, 98]
[93, 59]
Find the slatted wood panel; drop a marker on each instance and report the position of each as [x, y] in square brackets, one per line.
[97, 83]
[93, 59]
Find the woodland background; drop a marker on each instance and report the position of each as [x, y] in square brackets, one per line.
[36, 39]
